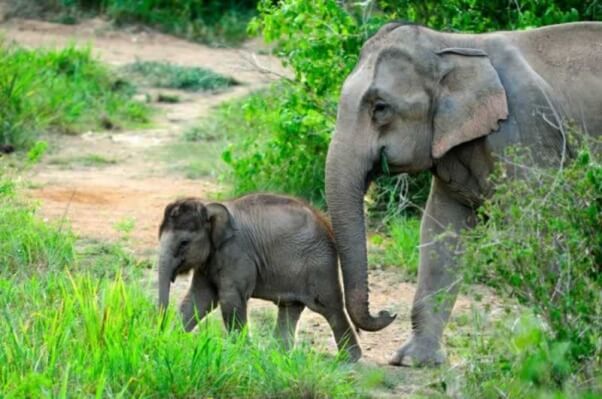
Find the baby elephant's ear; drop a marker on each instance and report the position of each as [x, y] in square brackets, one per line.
[221, 224]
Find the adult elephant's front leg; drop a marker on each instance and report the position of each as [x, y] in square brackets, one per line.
[438, 278]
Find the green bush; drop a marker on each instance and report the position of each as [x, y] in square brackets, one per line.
[282, 153]
[540, 242]
[65, 90]
[514, 356]
[285, 130]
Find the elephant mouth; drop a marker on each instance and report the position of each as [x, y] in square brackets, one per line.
[398, 169]
[179, 269]
[384, 167]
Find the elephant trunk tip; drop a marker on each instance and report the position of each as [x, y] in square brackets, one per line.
[362, 318]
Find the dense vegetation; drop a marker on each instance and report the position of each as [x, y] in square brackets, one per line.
[540, 241]
[64, 90]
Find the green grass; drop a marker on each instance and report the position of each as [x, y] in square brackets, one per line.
[166, 75]
[76, 321]
[64, 90]
[399, 247]
[27, 244]
[193, 160]
[105, 338]
[197, 154]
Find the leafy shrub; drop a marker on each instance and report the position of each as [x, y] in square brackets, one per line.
[65, 90]
[516, 357]
[540, 242]
[166, 75]
[285, 130]
[278, 152]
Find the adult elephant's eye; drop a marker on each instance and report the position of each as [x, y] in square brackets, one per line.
[381, 112]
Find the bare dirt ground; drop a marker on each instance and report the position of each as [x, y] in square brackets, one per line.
[137, 186]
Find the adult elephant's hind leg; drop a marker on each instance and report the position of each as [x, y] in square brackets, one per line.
[438, 278]
[288, 317]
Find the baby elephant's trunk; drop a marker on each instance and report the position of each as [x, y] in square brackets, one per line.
[165, 274]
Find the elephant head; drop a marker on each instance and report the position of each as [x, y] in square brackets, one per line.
[189, 234]
[413, 96]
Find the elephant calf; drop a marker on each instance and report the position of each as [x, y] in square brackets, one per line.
[261, 246]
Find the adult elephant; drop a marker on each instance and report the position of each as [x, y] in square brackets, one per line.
[450, 103]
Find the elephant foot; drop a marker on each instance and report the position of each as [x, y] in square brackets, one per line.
[417, 352]
[354, 353]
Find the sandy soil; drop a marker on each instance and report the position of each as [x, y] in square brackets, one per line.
[138, 187]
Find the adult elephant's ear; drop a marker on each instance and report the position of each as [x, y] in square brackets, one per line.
[471, 99]
[222, 228]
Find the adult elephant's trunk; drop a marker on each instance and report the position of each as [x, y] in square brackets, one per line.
[347, 179]
[165, 274]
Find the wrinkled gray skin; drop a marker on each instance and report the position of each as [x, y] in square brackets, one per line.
[418, 100]
[259, 246]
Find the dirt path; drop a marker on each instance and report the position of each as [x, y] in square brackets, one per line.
[137, 186]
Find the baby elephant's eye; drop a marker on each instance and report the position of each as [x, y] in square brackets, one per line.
[183, 245]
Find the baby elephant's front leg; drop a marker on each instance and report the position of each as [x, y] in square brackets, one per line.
[200, 300]
[288, 316]
[234, 309]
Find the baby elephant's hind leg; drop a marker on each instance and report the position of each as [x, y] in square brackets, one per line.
[288, 316]
[343, 333]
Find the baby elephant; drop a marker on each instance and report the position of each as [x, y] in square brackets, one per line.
[259, 246]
